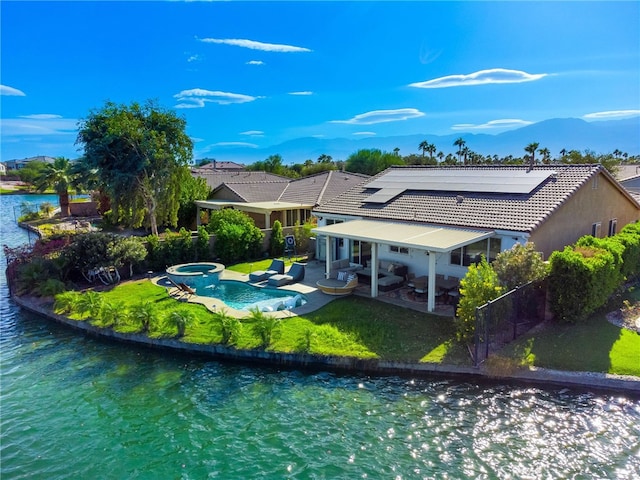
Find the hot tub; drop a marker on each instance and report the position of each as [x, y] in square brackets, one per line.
[195, 274]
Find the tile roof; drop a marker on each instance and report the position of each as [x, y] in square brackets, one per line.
[311, 190]
[216, 178]
[320, 188]
[508, 211]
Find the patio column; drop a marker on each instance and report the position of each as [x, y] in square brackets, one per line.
[327, 255]
[431, 289]
[267, 220]
[198, 223]
[374, 270]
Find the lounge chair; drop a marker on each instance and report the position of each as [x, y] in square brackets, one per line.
[182, 288]
[333, 286]
[294, 275]
[276, 268]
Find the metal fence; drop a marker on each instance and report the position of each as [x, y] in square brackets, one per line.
[504, 319]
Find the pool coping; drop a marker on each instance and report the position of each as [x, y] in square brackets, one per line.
[589, 381]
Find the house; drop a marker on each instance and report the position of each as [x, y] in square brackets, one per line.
[267, 198]
[439, 220]
[215, 165]
[215, 178]
[19, 164]
[3, 169]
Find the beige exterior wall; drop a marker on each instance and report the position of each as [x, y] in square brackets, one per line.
[225, 193]
[587, 206]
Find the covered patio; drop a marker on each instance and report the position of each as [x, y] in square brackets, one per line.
[263, 213]
[429, 239]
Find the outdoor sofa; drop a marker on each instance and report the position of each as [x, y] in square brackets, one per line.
[338, 285]
[391, 274]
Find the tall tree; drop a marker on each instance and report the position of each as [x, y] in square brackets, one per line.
[460, 143]
[531, 150]
[431, 148]
[141, 153]
[59, 176]
[423, 146]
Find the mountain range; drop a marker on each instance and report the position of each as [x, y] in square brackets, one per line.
[555, 134]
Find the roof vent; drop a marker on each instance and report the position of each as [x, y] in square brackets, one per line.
[459, 199]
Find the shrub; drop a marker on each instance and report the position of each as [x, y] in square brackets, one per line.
[180, 320]
[581, 280]
[276, 241]
[203, 252]
[113, 314]
[478, 286]
[127, 251]
[66, 302]
[264, 325]
[519, 265]
[230, 327]
[143, 313]
[90, 303]
[50, 287]
[237, 237]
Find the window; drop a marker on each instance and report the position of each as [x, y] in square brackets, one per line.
[613, 226]
[396, 249]
[596, 229]
[469, 254]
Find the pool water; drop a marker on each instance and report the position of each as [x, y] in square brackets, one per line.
[242, 296]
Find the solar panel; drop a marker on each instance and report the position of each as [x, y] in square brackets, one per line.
[397, 181]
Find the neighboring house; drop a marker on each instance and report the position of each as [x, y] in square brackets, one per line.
[268, 198]
[632, 184]
[215, 178]
[3, 169]
[439, 220]
[219, 166]
[18, 164]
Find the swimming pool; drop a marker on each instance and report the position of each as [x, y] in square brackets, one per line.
[242, 296]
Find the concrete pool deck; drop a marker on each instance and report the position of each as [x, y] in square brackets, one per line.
[314, 271]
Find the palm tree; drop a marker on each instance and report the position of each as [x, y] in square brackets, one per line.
[531, 150]
[440, 155]
[423, 146]
[59, 176]
[545, 155]
[180, 320]
[396, 152]
[460, 143]
[563, 152]
[431, 148]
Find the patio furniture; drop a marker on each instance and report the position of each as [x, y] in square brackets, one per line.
[276, 267]
[390, 274]
[294, 275]
[333, 286]
[182, 288]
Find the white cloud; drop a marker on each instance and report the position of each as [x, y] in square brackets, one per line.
[193, 58]
[42, 124]
[235, 144]
[483, 77]
[253, 45]
[364, 133]
[301, 93]
[198, 97]
[10, 91]
[255, 62]
[382, 116]
[493, 124]
[253, 133]
[611, 114]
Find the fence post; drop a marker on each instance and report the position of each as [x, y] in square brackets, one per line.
[486, 329]
[476, 339]
[514, 313]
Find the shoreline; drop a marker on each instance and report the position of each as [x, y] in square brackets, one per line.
[591, 381]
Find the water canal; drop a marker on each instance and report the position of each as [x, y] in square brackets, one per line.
[75, 407]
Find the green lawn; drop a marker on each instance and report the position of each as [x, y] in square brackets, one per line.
[365, 328]
[353, 327]
[594, 345]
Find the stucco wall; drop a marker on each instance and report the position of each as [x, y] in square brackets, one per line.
[586, 207]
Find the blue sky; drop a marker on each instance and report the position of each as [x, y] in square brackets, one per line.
[260, 73]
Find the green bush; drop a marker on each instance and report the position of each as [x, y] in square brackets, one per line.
[582, 279]
[276, 241]
[519, 265]
[264, 326]
[203, 252]
[478, 286]
[237, 237]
